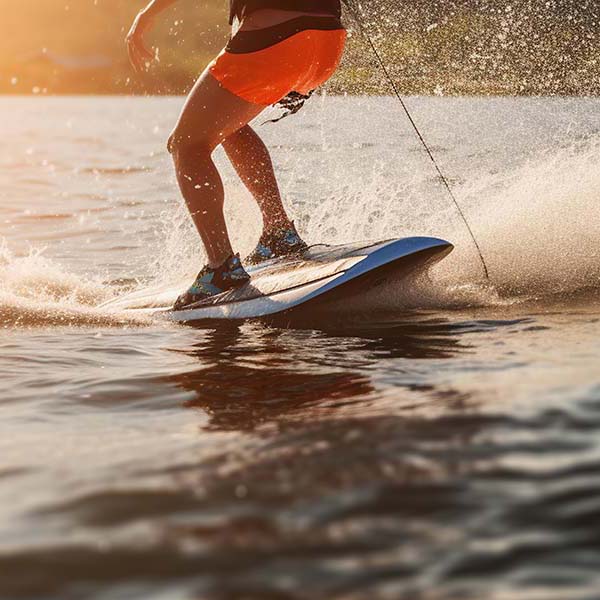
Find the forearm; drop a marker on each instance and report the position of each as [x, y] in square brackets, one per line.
[139, 54]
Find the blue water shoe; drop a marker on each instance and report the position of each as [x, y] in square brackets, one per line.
[276, 244]
[211, 282]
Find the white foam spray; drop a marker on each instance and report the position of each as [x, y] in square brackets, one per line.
[539, 224]
[36, 292]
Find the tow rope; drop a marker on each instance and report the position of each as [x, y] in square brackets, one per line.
[394, 87]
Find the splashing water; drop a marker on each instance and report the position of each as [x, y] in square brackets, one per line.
[35, 291]
[540, 225]
[533, 210]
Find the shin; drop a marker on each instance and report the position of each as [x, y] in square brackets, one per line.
[253, 164]
[202, 189]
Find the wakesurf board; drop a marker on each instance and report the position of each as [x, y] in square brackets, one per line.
[323, 274]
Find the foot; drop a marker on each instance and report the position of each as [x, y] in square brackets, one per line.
[275, 244]
[211, 282]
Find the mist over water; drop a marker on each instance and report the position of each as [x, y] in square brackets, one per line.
[436, 441]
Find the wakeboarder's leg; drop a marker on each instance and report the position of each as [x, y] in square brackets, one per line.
[253, 164]
[211, 114]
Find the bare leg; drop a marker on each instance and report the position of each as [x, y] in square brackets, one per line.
[211, 114]
[253, 164]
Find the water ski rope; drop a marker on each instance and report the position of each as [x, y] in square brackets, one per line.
[419, 135]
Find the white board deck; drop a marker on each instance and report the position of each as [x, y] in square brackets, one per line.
[323, 273]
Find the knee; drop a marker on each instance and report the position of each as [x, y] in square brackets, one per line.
[182, 143]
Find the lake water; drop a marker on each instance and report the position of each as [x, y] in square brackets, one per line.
[443, 443]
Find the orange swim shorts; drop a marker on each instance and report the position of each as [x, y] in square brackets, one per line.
[300, 63]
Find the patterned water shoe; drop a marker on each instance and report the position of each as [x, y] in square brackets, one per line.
[276, 244]
[211, 282]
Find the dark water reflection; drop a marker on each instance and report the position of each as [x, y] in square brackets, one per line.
[371, 462]
[241, 389]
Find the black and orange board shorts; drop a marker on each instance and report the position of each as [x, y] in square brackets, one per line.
[263, 66]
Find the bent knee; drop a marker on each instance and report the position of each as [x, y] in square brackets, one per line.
[182, 143]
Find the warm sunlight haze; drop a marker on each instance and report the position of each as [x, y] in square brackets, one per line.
[299, 300]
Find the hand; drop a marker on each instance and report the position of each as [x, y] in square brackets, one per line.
[139, 54]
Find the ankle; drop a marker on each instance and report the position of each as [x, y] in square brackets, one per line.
[276, 226]
[219, 262]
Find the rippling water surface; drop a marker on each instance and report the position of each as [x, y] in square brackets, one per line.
[443, 442]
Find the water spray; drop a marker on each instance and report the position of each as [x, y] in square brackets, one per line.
[394, 87]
